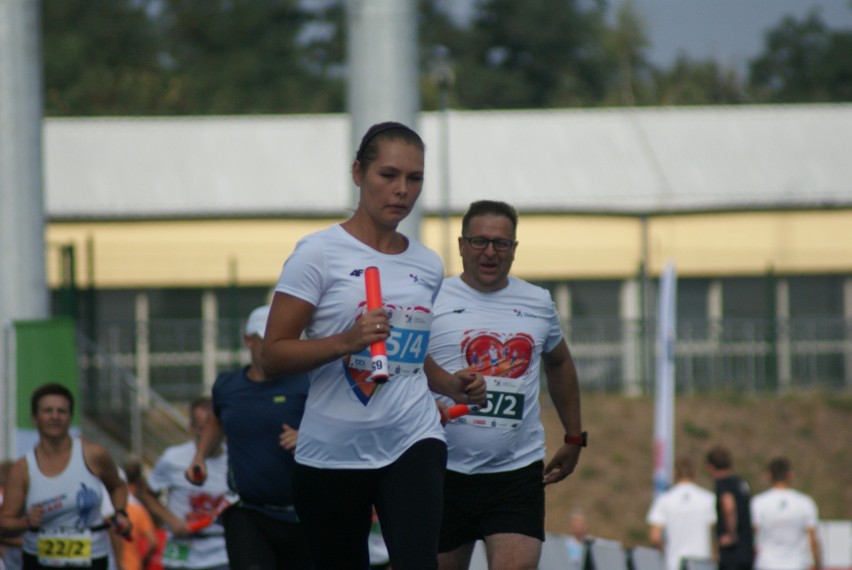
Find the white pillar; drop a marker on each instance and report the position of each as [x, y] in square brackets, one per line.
[847, 314]
[209, 349]
[23, 286]
[383, 73]
[143, 350]
[630, 314]
[562, 300]
[783, 345]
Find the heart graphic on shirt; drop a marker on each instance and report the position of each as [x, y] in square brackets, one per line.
[494, 355]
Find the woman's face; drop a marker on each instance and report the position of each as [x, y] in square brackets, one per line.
[391, 183]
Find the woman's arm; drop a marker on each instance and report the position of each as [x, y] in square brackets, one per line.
[285, 352]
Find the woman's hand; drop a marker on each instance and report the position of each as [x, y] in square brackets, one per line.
[372, 326]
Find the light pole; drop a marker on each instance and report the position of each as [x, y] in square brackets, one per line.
[442, 74]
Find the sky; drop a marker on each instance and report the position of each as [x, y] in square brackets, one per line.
[728, 31]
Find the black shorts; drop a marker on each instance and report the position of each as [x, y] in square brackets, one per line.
[476, 506]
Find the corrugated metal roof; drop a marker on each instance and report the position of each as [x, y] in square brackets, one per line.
[600, 160]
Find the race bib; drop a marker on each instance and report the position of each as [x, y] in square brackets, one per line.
[58, 548]
[176, 551]
[504, 407]
[406, 345]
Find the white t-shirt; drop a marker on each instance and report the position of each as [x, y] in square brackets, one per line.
[350, 422]
[501, 334]
[192, 502]
[781, 518]
[686, 512]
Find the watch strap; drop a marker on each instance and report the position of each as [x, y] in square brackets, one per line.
[582, 440]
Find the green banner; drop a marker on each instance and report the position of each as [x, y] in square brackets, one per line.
[45, 351]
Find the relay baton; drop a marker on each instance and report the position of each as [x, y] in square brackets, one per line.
[197, 475]
[225, 501]
[459, 410]
[378, 349]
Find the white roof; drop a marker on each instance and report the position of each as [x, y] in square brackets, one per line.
[594, 160]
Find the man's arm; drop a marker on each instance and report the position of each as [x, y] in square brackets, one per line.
[729, 515]
[212, 436]
[655, 535]
[564, 389]
[813, 539]
[152, 502]
[13, 519]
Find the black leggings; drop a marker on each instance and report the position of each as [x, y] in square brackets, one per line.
[335, 507]
[256, 541]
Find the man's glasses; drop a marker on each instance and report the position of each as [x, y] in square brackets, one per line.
[479, 242]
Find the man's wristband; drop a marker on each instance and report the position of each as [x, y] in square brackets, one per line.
[582, 440]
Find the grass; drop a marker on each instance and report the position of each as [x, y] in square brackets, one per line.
[612, 483]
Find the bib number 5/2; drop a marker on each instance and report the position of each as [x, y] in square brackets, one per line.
[503, 405]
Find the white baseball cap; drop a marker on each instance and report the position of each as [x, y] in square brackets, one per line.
[256, 324]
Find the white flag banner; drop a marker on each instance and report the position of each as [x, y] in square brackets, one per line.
[665, 388]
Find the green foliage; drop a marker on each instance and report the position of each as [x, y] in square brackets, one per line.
[804, 61]
[162, 57]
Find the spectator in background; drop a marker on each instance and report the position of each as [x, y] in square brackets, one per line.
[682, 518]
[579, 538]
[137, 554]
[260, 415]
[733, 512]
[187, 503]
[785, 523]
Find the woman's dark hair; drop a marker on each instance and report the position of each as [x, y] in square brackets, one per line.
[51, 389]
[368, 150]
[484, 207]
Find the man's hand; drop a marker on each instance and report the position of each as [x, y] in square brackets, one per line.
[288, 438]
[562, 464]
[468, 387]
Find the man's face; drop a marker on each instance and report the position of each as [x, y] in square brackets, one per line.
[487, 269]
[200, 416]
[53, 415]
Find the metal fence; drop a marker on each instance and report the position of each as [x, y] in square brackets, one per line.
[138, 377]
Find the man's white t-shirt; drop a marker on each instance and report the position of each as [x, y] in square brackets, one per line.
[686, 512]
[191, 502]
[501, 334]
[781, 518]
[350, 422]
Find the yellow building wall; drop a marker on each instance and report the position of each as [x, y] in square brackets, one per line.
[216, 253]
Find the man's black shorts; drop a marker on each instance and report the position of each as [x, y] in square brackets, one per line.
[476, 506]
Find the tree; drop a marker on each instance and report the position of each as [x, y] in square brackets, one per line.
[627, 42]
[690, 82]
[246, 56]
[100, 58]
[531, 54]
[804, 61]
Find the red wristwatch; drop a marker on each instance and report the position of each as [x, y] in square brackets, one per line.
[582, 440]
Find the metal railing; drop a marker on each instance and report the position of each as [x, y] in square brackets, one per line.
[179, 359]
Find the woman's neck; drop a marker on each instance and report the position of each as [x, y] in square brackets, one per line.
[384, 240]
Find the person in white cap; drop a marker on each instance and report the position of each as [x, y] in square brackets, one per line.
[260, 415]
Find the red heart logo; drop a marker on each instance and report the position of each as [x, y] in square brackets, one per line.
[488, 353]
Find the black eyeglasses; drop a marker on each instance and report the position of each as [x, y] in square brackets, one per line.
[479, 242]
